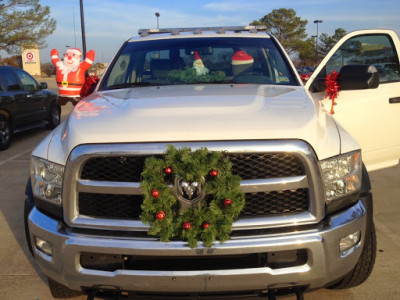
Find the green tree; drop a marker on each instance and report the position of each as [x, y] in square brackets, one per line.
[326, 42]
[307, 52]
[97, 68]
[289, 29]
[24, 22]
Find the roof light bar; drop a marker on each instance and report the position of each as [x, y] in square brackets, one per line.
[198, 30]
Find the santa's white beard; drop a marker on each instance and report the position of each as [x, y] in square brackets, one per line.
[64, 68]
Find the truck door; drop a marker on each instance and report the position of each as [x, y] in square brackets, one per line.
[371, 116]
[35, 97]
[13, 98]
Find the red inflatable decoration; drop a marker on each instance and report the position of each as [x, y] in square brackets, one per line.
[71, 73]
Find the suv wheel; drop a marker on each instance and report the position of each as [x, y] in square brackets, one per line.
[54, 116]
[364, 265]
[5, 133]
[60, 291]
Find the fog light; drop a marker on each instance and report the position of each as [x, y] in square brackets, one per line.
[43, 246]
[348, 243]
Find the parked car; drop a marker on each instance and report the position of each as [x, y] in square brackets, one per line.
[305, 73]
[24, 104]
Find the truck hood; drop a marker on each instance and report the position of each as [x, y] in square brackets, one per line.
[196, 113]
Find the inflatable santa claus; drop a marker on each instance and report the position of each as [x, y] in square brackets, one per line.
[71, 74]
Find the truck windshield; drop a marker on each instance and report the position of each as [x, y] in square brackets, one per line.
[199, 61]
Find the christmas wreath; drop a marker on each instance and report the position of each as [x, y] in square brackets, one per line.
[189, 75]
[190, 196]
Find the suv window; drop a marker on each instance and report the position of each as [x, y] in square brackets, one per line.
[10, 80]
[223, 60]
[28, 83]
[377, 50]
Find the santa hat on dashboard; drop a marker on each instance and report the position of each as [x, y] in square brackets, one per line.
[241, 61]
[240, 57]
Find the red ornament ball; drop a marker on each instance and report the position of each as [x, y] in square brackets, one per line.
[206, 225]
[186, 225]
[155, 193]
[160, 215]
[168, 170]
[214, 173]
[227, 202]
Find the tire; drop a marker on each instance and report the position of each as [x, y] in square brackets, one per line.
[54, 116]
[60, 291]
[5, 133]
[364, 266]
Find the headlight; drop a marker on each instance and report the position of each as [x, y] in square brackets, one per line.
[342, 176]
[46, 180]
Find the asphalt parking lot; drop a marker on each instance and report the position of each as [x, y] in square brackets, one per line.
[20, 277]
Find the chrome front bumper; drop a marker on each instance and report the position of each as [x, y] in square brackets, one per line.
[324, 263]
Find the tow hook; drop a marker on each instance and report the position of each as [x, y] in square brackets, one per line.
[271, 295]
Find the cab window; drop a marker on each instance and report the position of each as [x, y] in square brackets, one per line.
[377, 50]
[199, 61]
[28, 83]
[9, 80]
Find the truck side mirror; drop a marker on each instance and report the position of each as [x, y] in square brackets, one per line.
[358, 77]
[43, 85]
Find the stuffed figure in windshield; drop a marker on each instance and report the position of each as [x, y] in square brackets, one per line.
[198, 65]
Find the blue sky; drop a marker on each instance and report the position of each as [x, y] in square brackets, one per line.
[109, 23]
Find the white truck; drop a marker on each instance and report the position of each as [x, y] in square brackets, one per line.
[307, 221]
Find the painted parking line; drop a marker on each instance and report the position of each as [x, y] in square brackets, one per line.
[14, 157]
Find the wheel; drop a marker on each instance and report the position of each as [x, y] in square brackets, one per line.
[364, 266]
[27, 209]
[60, 291]
[54, 116]
[5, 133]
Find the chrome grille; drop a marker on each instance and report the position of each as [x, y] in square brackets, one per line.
[281, 181]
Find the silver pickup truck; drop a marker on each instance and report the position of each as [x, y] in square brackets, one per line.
[307, 218]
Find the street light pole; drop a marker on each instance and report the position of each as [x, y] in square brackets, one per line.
[83, 30]
[316, 42]
[157, 16]
[316, 55]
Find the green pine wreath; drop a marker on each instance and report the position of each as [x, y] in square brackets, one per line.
[208, 222]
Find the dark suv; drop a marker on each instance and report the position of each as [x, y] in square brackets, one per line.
[24, 104]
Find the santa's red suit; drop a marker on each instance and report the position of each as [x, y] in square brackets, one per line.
[71, 72]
